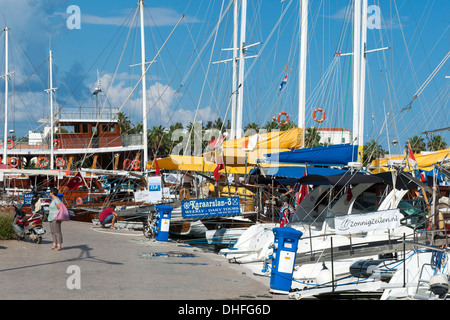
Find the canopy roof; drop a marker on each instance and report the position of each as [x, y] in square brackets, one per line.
[341, 179]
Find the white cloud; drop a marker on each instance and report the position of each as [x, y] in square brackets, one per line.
[162, 102]
[160, 17]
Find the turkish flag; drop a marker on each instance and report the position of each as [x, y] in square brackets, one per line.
[157, 172]
[75, 182]
[216, 171]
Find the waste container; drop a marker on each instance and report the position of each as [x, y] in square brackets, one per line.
[163, 213]
[285, 252]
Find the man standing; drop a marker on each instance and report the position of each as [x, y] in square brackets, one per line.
[108, 215]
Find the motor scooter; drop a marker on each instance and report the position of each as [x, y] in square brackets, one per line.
[28, 225]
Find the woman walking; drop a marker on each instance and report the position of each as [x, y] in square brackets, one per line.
[55, 225]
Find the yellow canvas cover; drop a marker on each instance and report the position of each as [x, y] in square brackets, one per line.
[183, 163]
[424, 161]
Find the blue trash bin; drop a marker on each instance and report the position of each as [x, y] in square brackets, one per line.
[163, 213]
[285, 251]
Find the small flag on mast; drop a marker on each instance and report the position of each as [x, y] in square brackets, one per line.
[283, 83]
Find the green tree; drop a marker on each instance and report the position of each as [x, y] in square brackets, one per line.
[417, 144]
[312, 137]
[252, 126]
[371, 151]
[271, 125]
[158, 141]
[124, 123]
[436, 143]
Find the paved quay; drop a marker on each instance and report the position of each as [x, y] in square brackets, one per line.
[104, 264]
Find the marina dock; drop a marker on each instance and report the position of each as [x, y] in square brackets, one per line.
[121, 264]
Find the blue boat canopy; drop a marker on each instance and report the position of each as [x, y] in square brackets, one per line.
[332, 155]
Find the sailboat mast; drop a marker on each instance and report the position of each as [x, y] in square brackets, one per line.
[363, 74]
[52, 123]
[356, 71]
[5, 143]
[302, 68]
[234, 92]
[241, 71]
[144, 87]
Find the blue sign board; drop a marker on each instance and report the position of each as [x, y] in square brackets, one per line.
[213, 207]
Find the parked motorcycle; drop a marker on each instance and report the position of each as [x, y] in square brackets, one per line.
[28, 225]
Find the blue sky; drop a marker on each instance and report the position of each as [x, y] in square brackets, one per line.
[184, 85]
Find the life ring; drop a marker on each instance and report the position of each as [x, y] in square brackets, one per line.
[126, 164]
[60, 162]
[15, 163]
[135, 165]
[9, 144]
[286, 121]
[42, 162]
[314, 115]
[56, 144]
[79, 201]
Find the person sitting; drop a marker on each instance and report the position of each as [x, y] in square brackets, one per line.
[108, 215]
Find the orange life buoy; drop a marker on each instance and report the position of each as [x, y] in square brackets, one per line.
[286, 121]
[126, 164]
[314, 115]
[9, 144]
[43, 162]
[15, 163]
[56, 144]
[60, 162]
[136, 165]
[79, 201]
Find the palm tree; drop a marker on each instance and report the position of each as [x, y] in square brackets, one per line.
[417, 144]
[124, 123]
[288, 126]
[271, 125]
[158, 141]
[312, 137]
[371, 151]
[252, 126]
[436, 143]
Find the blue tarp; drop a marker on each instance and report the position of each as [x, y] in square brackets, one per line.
[332, 155]
[297, 172]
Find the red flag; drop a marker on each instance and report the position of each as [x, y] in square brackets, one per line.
[157, 172]
[216, 171]
[303, 192]
[75, 182]
[412, 158]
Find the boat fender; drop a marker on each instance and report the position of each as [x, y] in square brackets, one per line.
[439, 285]
[314, 115]
[14, 163]
[324, 275]
[79, 201]
[285, 122]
